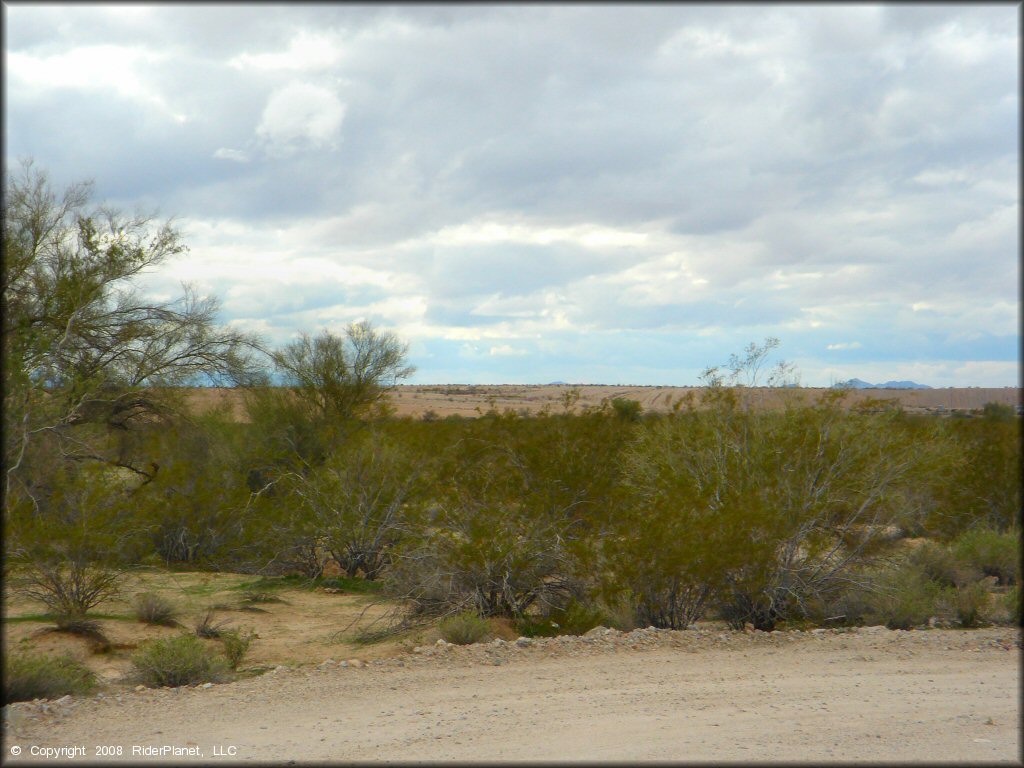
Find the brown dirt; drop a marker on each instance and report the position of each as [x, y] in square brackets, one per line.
[927, 696]
[472, 400]
[307, 627]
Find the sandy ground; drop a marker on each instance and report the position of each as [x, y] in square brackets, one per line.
[472, 400]
[868, 695]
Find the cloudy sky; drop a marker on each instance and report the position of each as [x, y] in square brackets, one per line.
[594, 194]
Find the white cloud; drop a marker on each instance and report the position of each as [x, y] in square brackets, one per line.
[301, 115]
[117, 68]
[504, 350]
[845, 345]
[306, 51]
[235, 155]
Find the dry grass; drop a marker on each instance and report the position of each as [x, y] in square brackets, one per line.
[417, 400]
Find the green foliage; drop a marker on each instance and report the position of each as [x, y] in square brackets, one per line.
[991, 552]
[626, 409]
[206, 627]
[355, 506]
[176, 661]
[998, 412]
[575, 618]
[1012, 603]
[88, 360]
[983, 483]
[337, 376]
[30, 676]
[236, 646]
[151, 608]
[518, 506]
[939, 564]
[969, 603]
[763, 509]
[904, 598]
[464, 628]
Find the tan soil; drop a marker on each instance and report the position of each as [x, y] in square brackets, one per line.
[929, 696]
[308, 626]
[472, 400]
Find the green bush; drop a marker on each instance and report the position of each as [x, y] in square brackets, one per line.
[155, 609]
[174, 661]
[30, 676]
[1012, 603]
[991, 552]
[236, 646]
[942, 566]
[906, 598]
[626, 409]
[575, 618]
[969, 603]
[207, 628]
[464, 628]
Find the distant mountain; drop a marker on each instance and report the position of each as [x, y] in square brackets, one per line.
[861, 384]
[901, 385]
[557, 383]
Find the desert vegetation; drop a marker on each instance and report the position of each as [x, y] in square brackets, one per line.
[556, 521]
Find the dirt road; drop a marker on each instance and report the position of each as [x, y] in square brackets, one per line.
[869, 695]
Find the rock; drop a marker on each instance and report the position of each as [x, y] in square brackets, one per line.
[497, 642]
[748, 627]
[819, 631]
[207, 685]
[876, 629]
[63, 700]
[598, 632]
[524, 642]
[140, 687]
[345, 663]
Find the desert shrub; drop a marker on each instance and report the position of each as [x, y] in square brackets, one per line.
[575, 618]
[236, 645]
[464, 628]
[904, 598]
[206, 627]
[626, 409]
[969, 603]
[991, 552]
[1012, 603]
[942, 566]
[151, 608]
[67, 587]
[578, 618]
[764, 509]
[30, 676]
[253, 596]
[175, 661]
[675, 605]
[510, 508]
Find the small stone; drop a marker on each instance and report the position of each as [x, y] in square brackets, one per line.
[63, 700]
[597, 632]
[442, 642]
[819, 631]
[207, 685]
[140, 687]
[524, 642]
[345, 663]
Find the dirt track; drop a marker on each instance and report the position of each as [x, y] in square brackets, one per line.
[939, 695]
